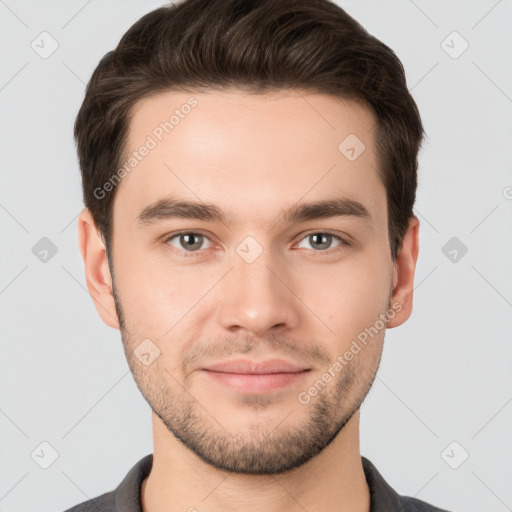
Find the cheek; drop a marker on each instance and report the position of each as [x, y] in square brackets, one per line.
[155, 295]
[349, 298]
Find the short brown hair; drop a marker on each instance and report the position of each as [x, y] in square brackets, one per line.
[257, 46]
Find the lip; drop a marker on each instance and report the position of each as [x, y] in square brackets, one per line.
[248, 367]
[247, 376]
[255, 382]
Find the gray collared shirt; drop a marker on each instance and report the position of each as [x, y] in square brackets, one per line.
[126, 497]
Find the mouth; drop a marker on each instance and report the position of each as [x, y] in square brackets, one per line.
[256, 382]
[255, 377]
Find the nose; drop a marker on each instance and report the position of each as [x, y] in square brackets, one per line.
[258, 298]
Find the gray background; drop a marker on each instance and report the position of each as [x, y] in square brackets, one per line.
[445, 375]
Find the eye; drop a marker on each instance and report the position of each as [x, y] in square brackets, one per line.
[321, 241]
[190, 241]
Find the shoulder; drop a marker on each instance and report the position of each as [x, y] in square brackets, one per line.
[126, 497]
[415, 505]
[384, 498]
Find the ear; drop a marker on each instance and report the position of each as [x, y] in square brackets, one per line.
[403, 274]
[97, 272]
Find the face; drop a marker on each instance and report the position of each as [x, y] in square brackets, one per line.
[246, 231]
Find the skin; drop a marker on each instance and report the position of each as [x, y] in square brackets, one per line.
[216, 448]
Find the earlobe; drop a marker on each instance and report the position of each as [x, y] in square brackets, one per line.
[403, 279]
[97, 272]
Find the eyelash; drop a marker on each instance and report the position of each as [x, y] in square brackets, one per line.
[191, 254]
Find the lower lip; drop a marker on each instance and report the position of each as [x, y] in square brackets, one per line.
[256, 383]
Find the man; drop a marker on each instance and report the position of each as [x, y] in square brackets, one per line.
[249, 173]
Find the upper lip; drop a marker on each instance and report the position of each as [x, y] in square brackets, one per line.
[256, 367]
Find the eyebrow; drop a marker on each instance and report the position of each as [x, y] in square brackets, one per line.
[171, 208]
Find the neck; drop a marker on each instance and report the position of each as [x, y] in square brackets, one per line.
[180, 480]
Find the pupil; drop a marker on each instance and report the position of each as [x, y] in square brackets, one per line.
[190, 240]
[319, 237]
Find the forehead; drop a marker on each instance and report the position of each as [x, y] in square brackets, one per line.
[249, 152]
